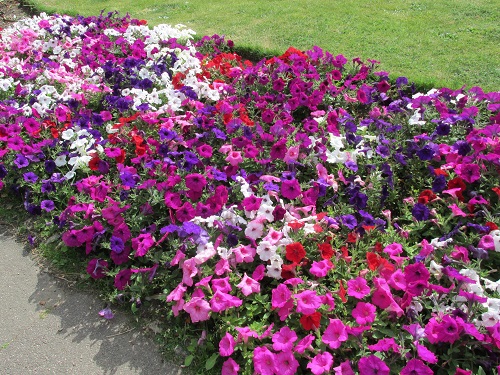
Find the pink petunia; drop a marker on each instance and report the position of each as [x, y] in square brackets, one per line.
[234, 158]
[189, 269]
[222, 301]
[456, 211]
[280, 295]
[286, 364]
[177, 293]
[364, 313]
[307, 302]
[358, 288]
[321, 363]
[321, 268]
[283, 339]
[248, 285]
[335, 334]
[226, 345]
[198, 309]
[221, 284]
[304, 344]
[425, 354]
[230, 367]
[263, 361]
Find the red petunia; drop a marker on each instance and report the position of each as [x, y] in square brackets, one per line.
[426, 196]
[342, 292]
[295, 225]
[457, 182]
[374, 260]
[491, 225]
[496, 190]
[326, 250]
[310, 321]
[295, 252]
[94, 163]
[288, 271]
[378, 247]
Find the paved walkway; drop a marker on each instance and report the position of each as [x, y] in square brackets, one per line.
[45, 328]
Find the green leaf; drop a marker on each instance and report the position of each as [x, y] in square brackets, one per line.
[211, 361]
[188, 360]
[481, 371]
[133, 308]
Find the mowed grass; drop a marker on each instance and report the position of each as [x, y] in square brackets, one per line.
[432, 42]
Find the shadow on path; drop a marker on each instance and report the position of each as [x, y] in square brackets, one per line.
[47, 328]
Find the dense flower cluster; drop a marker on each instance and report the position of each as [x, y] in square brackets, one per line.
[314, 215]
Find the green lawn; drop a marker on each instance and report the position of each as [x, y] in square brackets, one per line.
[432, 42]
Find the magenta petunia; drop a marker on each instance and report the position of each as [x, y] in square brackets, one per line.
[425, 354]
[372, 365]
[122, 279]
[280, 296]
[321, 268]
[290, 189]
[97, 268]
[142, 243]
[321, 363]
[468, 172]
[416, 366]
[286, 363]
[195, 182]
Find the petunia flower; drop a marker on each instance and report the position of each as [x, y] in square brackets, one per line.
[198, 309]
[230, 367]
[307, 301]
[248, 285]
[263, 361]
[416, 366]
[283, 339]
[226, 345]
[372, 365]
[321, 268]
[364, 313]
[321, 363]
[335, 334]
[358, 288]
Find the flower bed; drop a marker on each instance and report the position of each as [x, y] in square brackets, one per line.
[307, 212]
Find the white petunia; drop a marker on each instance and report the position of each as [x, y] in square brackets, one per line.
[266, 250]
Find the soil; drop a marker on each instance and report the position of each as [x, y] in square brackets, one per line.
[12, 11]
